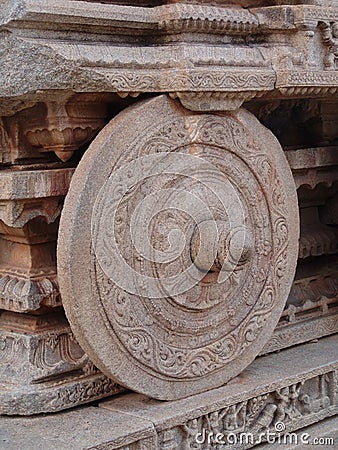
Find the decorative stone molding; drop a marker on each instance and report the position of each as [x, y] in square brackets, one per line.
[311, 312]
[66, 126]
[22, 295]
[180, 18]
[318, 240]
[312, 158]
[306, 393]
[17, 213]
[314, 166]
[318, 291]
[45, 188]
[30, 202]
[43, 368]
[110, 62]
[28, 266]
[306, 82]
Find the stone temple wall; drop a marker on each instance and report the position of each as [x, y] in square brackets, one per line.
[169, 215]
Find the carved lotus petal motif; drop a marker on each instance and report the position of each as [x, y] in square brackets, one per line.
[178, 246]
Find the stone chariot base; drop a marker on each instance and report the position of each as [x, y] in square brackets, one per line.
[278, 397]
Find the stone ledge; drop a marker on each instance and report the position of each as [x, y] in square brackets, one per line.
[133, 418]
[77, 429]
[33, 184]
[263, 375]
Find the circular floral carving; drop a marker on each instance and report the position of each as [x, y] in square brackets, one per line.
[178, 245]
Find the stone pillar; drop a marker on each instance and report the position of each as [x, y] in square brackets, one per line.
[42, 368]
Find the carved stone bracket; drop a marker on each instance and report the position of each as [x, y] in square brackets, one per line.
[213, 101]
[66, 126]
[59, 123]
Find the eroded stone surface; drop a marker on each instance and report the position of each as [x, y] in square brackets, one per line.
[68, 66]
[42, 366]
[302, 393]
[166, 328]
[82, 428]
[260, 399]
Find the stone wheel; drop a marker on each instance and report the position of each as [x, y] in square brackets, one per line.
[178, 246]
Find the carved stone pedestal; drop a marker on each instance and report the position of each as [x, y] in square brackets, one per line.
[276, 396]
[43, 368]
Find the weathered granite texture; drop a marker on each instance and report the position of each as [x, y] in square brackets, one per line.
[231, 53]
[296, 387]
[171, 321]
[68, 67]
[42, 367]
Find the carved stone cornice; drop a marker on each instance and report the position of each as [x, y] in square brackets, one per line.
[27, 194]
[205, 19]
[204, 48]
[170, 17]
[22, 295]
[313, 166]
[304, 82]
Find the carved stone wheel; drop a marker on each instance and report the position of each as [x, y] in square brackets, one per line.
[177, 246]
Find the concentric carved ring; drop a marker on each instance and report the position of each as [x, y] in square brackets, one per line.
[178, 246]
